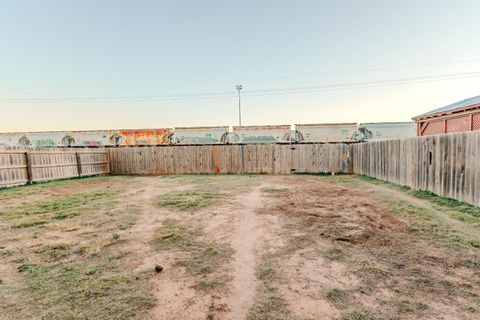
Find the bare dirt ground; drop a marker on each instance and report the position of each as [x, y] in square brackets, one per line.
[236, 247]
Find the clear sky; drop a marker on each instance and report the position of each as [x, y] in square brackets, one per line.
[105, 64]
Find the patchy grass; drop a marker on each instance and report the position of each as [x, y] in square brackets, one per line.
[189, 200]
[437, 221]
[47, 187]
[335, 295]
[269, 303]
[73, 291]
[274, 192]
[230, 183]
[175, 235]
[359, 314]
[427, 223]
[203, 260]
[459, 210]
[42, 212]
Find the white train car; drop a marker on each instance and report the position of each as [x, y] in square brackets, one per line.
[199, 135]
[32, 139]
[385, 130]
[325, 132]
[260, 134]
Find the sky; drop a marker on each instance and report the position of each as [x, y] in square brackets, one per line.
[109, 64]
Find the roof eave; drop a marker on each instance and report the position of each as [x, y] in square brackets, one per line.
[444, 113]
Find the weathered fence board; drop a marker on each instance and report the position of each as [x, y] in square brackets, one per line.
[19, 167]
[259, 158]
[448, 165]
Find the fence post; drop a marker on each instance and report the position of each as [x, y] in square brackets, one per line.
[79, 164]
[28, 162]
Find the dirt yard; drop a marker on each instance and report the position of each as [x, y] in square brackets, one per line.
[236, 247]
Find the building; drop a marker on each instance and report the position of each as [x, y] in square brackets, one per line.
[456, 117]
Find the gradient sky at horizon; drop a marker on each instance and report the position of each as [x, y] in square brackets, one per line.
[60, 50]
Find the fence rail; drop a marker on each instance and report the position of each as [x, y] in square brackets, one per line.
[260, 158]
[447, 165]
[18, 167]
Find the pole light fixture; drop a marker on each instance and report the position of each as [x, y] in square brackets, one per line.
[239, 87]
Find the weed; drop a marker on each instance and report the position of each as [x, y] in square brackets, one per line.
[26, 267]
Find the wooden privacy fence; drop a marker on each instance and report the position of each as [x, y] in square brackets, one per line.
[448, 165]
[260, 158]
[19, 167]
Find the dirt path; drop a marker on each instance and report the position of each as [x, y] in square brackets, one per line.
[176, 299]
[245, 241]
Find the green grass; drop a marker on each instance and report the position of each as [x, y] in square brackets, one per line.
[42, 212]
[203, 260]
[189, 200]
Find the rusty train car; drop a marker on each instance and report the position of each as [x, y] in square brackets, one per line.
[88, 138]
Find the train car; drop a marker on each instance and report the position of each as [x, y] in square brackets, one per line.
[32, 139]
[260, 134]
[199, 135]
[385, 130]
[88, 139]
[325, 132]
[142, 137]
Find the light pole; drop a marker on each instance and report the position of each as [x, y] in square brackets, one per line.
[239, 87]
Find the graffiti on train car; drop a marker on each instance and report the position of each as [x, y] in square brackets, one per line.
[199, 135]
[91, 144]
[144, 137]
[42, 143]
[261, 134]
